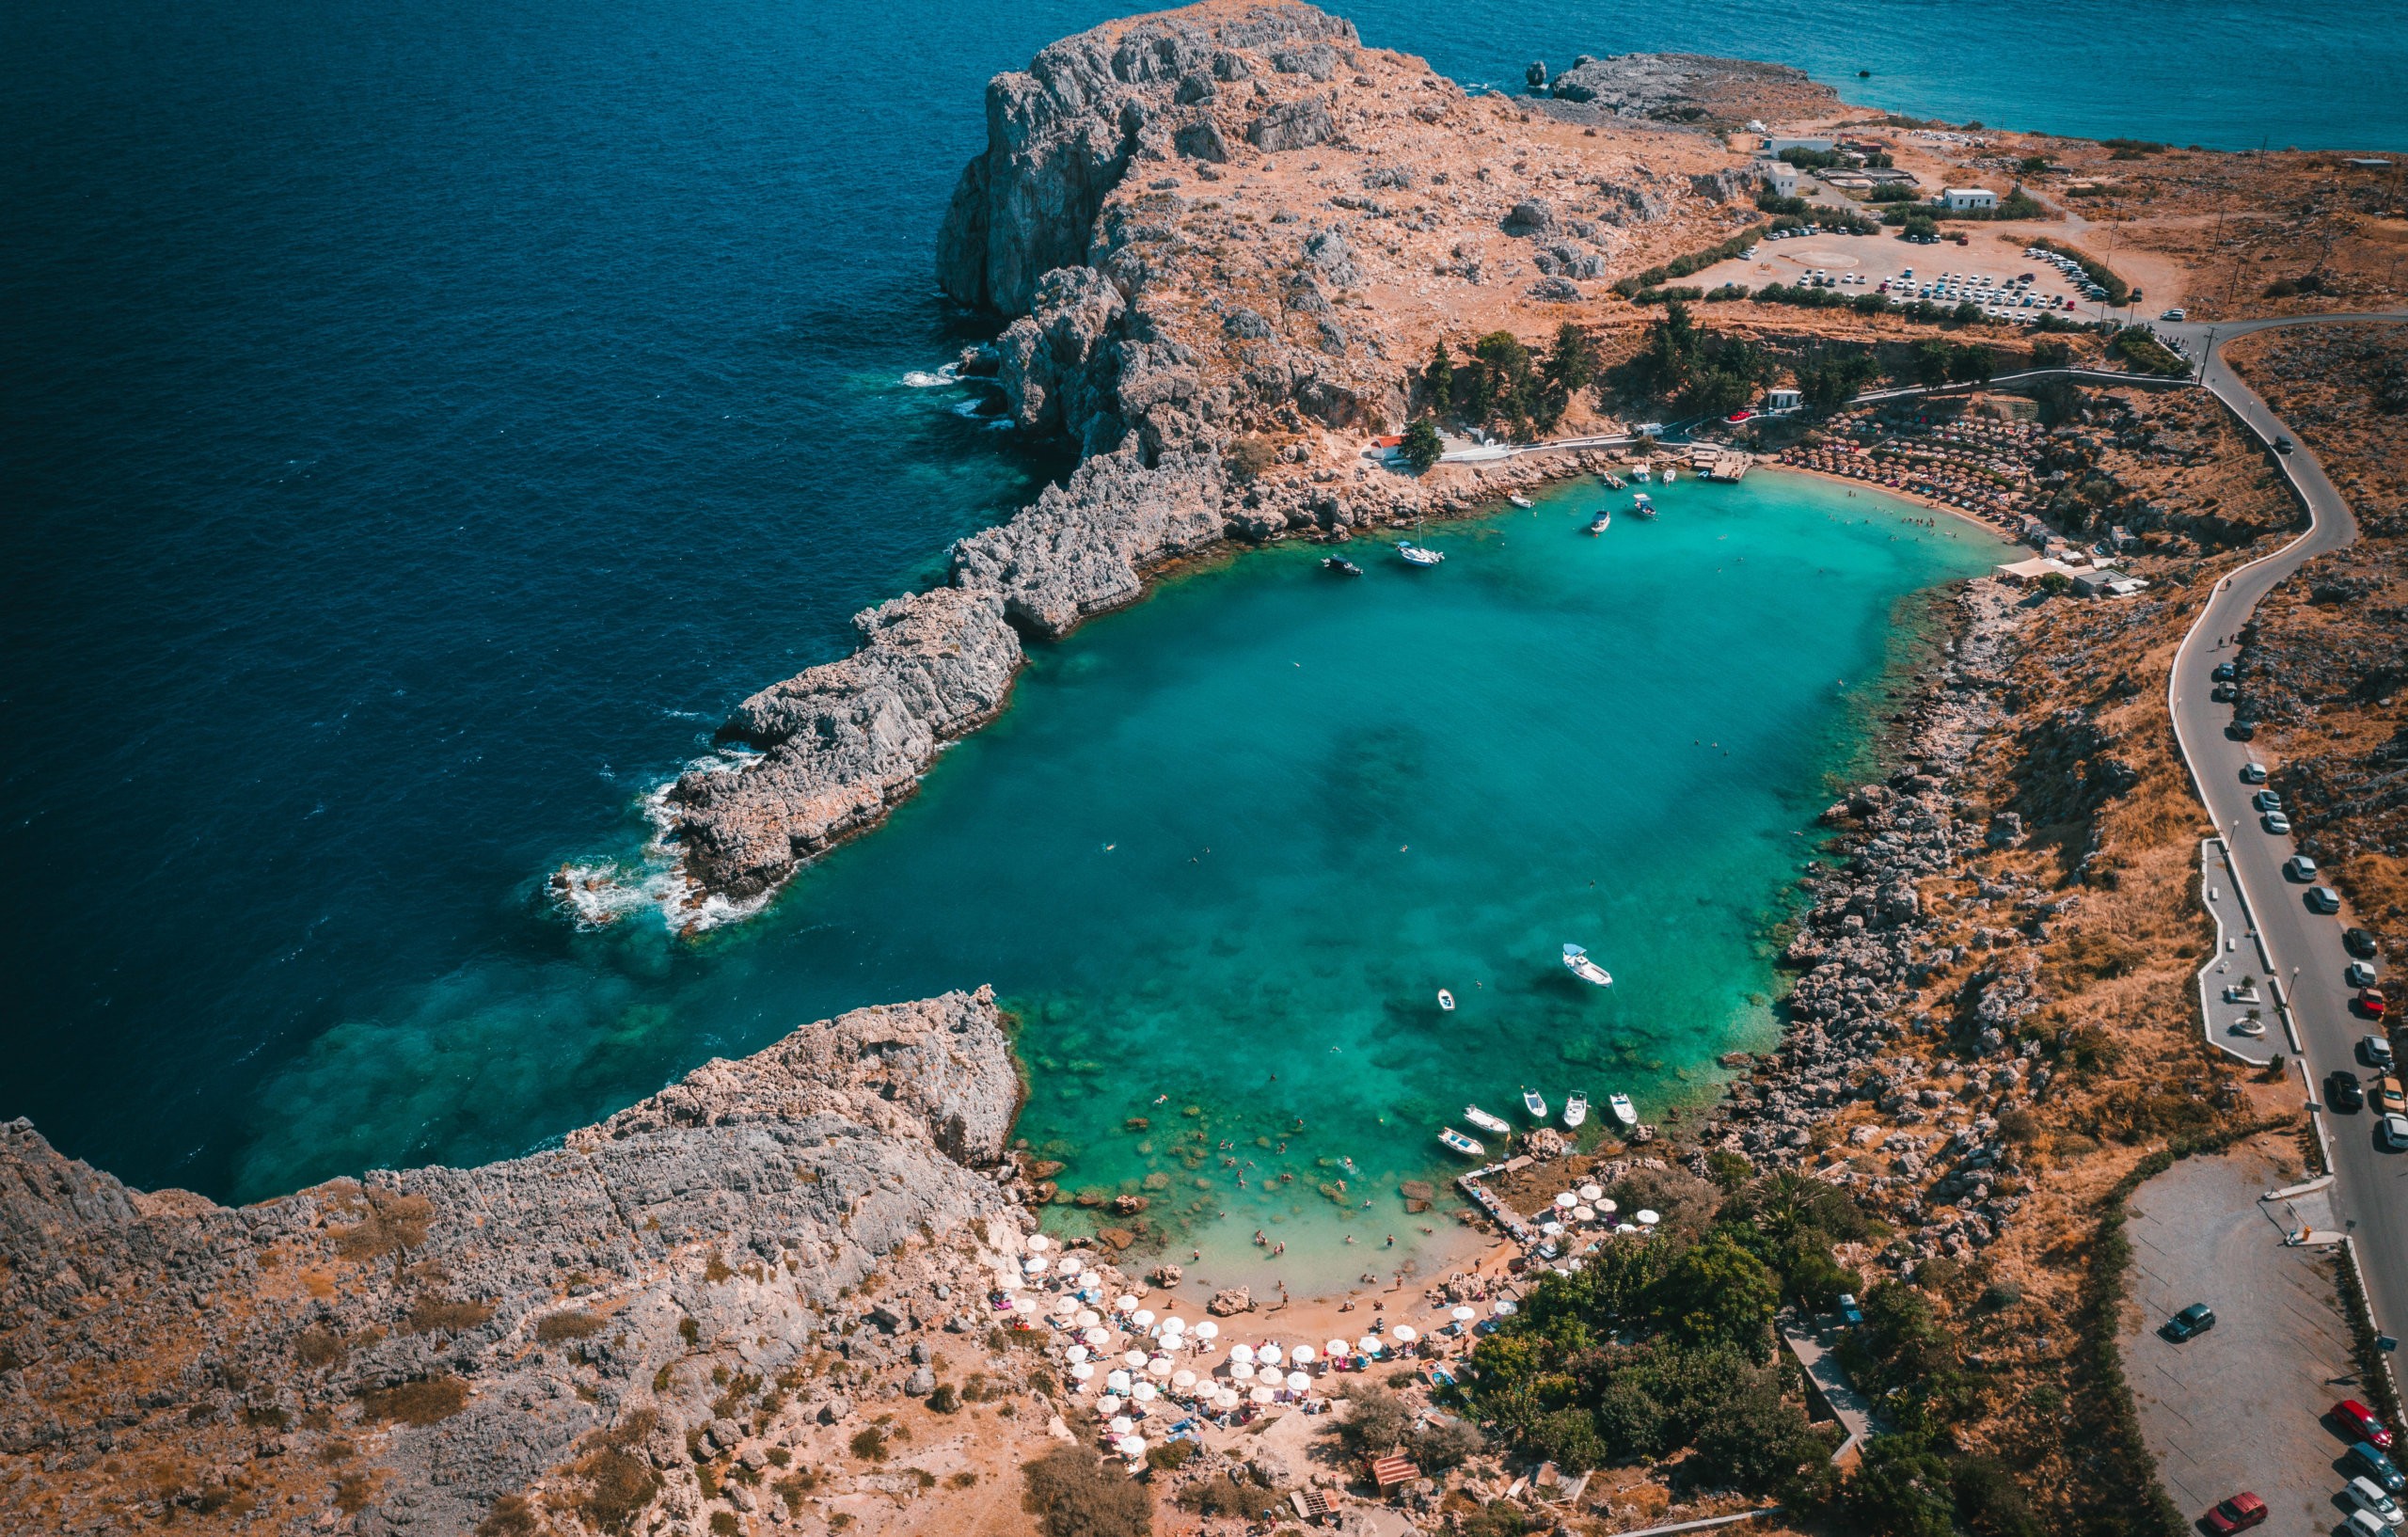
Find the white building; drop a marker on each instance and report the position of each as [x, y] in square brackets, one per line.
[1783, 402]
[1820, 147]
[1959, 199]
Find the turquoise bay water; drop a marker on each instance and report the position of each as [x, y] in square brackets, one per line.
[1225, 847]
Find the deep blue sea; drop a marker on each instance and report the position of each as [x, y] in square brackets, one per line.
[420, 421]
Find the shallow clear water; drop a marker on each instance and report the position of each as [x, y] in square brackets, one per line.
[424, 420]
[1227, 846]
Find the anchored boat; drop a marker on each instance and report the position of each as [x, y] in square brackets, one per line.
[1576, 961]
[1461, 1143]
[1518, 499]
[1603, 520]
[1575, 1110]
[1417, 554]
[1486, 1121]
[1623, 1110]
[1446, 1000]
[1341, 565]
[1532, 1102]
[1641, 475]
[1640, 506]
[1613, 482]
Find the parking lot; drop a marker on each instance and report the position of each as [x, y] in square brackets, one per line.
[2240, 1406]
[1867, 261]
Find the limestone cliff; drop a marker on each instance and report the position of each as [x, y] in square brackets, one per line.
[436, 1341]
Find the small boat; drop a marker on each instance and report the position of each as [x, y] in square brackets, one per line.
[1575, 1110]
[1641, 507]
[1518, 499]
[1623, 1109]
[1534, 1103]
[1486, 1121]
[1640, 475]
[1417, 554]
[1603, 520]
[1461, 1143]
[1446, 1000]
[1669, 473]
[1576, 961]
[1341, 566]
[1613, 482]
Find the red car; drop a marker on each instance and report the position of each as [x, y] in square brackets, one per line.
[2371, 1003]
[1741, 414]
[2357, 1416]
[2239, 1513]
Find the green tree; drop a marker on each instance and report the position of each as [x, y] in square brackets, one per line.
[1718, 1292]
[1571, 364]
[1421, 445]
[2049, 353]
[1971, 365]
[1072, 1493]
[1566, 1437]
[1921, 227]
[1438, 377]
[1757, 1440]
[1375, 1421]
[1989, 1502]
[1900, 1489]
[1931, 362]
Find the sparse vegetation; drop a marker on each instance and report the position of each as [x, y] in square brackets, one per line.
[424, 1402]
[1072, 1493]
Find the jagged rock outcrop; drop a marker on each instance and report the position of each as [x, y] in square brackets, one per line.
[446, 1338]
[1680, 87]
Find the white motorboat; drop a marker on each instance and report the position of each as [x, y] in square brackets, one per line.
[1461, 1143]
[1576, 961]
[1669, 473]
[1518, 499]
[1575, 1110]
[1417, 554]
[1623, 1110]
[1603, 520]
[1642, 506]
[1486, 1121]
[1641, 475]
[1446, 1000]
[1534, 1103]
[1613, 482]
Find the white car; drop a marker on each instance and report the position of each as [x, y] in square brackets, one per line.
[2253, 773]
[2367, 1495]
[2394, 1131]
[2300, 867]
[2359, 974]
[2277, 822]
[2324, 899]
[2364, 1523]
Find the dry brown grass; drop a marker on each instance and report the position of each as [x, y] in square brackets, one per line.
[426, 1401]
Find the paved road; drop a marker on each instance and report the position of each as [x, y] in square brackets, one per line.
[2371, 1190]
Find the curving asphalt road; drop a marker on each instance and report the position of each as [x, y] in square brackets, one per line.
[2370, 1191]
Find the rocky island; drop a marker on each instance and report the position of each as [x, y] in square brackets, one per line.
[1226, 248]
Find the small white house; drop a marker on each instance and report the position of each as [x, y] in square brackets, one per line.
[1783, 402]
[1782, 176]
[1962, 199]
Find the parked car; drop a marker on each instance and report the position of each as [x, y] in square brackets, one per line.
[2359, 973]
[2175, 314]
[2342, 1091]
[2352, 1416]
[2375, 1052]
[2225, 693]
[2253, 773]
[2243, 731]
[2267, 801]
[2282, 445]
[2194, 1320]
[2300, 867]
[2364, 1523]
[2322, 899]
[2370, 1500]
[2389, 1100]
[2359, 943]
[2275, 821]
[2239, 1513]
[2393, 1131]
[2366, 1458]
[2371, 1003]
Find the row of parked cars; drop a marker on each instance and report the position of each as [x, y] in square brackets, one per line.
[2374, 1491]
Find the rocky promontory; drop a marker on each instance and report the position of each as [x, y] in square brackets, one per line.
[1225, 238]
[438, 1345]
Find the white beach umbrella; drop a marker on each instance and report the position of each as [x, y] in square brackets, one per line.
[1098, 1336]
[1404, 1334]
[1133, 1447]
[1121, 1425]
[1024, 1307]
[1242, 1370]
[1625, 1227]
[1089, 1318]
[1174, 1325]
[1125, 1304]
[1504, 1309]
[1607, 1207]
[1134, 1358]
[1464, 1315]
[1118, 1382]
[1208, 1330]
[1593, 1193]
[1142, 1319]
[1160, 1366]
[1298, 1382]
[1183, 1378]
[1083, 1371]
[1566, 1199]
[1107, 1406]
[1078, 1355]
[1007, 1283]
[1036, 1265]
[1038, 1242]
[1268, 1355]
[1648, 1219]
[1301, 1354]
[1550, 1228]
[1264, 1395]
[1584, 1213]
[1145, 1392]
[1339, 1347]
[1243, 1354]
[1226, 1398]
[1370, 1345]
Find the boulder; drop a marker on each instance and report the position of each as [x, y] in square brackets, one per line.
[1231, 1302]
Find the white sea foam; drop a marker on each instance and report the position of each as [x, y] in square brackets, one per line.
[921, 379]
[600, 893]
[973, 408]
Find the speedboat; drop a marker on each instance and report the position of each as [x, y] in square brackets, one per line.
[1603, 520]
[1576, 961]
[1575, 1110]
[1341, 566]
[1534, 1103]
[1613, 482]
[1641, 475]
[1486, 1121]
[1669, 473]
[1641, 507]
[1446, 1000]
[1461, 1143]
[1518, 499]
[1417, 554]
[1623, 1110]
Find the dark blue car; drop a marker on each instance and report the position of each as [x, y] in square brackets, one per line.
[2364, 1458]
[2197, 1319]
